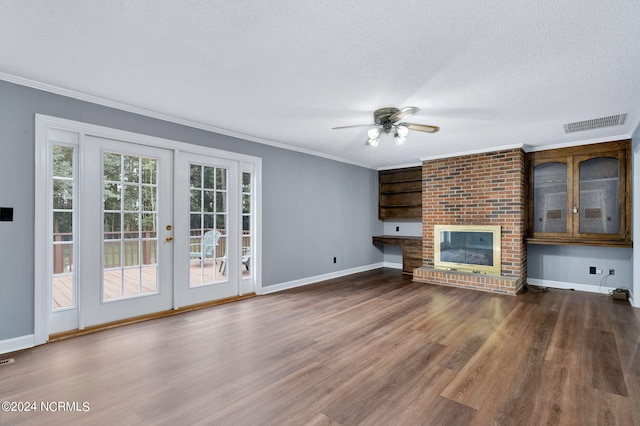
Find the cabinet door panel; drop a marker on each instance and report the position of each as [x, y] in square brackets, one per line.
[600, 192]
[552, 199]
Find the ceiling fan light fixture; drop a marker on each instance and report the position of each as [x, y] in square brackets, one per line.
[387, 120]
[374, 133]
[402, 131]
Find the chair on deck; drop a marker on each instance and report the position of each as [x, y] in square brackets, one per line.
[207, 246]
[246, 256]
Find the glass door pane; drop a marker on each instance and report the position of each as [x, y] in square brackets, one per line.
[247, 210]
[130, 234]
[63, 289]
[599, 196]
[550, 198]
[208, 232]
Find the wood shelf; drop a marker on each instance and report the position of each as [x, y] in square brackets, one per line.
[400, 193]
[569, 242]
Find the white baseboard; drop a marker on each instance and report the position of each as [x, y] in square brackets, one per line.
[17, 343]
[311, 280]
[570, 286]
[392, 265]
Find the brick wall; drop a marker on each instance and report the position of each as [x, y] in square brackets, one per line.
[476, 189]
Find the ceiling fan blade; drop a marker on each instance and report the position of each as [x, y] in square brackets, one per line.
[355, 125]
[404, 112]
[420, 127]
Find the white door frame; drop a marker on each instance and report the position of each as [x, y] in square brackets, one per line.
[42, 225]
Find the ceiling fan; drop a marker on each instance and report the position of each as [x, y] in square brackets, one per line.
[387, 120]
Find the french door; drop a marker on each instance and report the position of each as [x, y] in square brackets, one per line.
[128, 225]
[207, 252]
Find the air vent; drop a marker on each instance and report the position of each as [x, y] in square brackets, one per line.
[596, 123]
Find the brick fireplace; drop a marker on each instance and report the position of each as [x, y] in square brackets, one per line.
[476, 189]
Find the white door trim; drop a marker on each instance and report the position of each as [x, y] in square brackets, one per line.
[42, 192]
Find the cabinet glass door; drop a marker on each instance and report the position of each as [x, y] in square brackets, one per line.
[599, 196]
[550, 198]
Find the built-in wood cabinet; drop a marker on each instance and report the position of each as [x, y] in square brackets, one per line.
[400, 193]
[580, 195]
[411, 250]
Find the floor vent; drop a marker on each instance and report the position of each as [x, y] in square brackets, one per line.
[595, 123]
[6, 361]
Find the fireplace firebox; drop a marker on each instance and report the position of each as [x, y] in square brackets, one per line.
[467, 248]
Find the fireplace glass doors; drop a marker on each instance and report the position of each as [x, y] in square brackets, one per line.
[473, 249]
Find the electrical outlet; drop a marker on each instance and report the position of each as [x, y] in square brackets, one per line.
[397, 229]
[334, 260]
[612, 271]
[592, 270]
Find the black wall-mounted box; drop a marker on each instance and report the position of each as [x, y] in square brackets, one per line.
[6, 214]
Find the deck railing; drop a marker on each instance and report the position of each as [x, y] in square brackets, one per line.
[129, 252]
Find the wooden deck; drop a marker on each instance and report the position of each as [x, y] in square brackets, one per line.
[136, 284]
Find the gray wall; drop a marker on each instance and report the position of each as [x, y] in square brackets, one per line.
[314, 209]
[570, 264]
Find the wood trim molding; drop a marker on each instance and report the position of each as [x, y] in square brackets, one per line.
[155, 315]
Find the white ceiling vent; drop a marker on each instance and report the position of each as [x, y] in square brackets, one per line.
[595, 123]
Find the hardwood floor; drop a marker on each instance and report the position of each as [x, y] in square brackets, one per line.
[372, 348]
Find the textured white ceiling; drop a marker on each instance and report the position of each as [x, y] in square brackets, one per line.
[491, 74]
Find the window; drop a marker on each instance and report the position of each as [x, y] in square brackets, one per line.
[63, 290]
[247, 216]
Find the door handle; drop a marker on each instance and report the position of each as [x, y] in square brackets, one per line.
[168, 239]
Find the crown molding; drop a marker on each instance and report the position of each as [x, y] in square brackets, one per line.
[166, 117]
[576, 143]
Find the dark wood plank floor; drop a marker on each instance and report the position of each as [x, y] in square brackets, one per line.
[372, 348]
